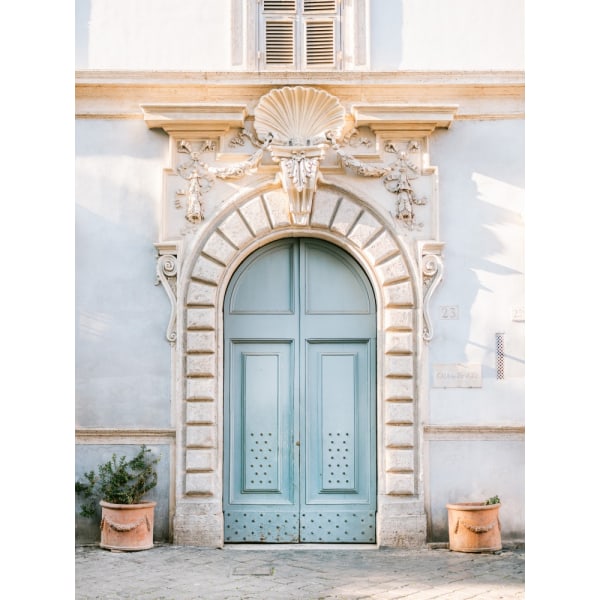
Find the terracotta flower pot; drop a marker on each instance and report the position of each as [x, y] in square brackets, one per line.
[127, 527]
[474, 527]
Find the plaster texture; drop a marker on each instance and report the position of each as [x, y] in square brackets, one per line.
[474, 470]
[403, 34]
[122, 362]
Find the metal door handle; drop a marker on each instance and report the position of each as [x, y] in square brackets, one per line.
[298, 443]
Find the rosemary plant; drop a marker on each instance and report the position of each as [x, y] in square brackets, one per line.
[118, 481]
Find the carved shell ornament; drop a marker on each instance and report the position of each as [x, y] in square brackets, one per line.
[296, 122]
[298, 116]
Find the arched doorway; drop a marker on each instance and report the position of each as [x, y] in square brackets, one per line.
[299, 397]
[210, 261]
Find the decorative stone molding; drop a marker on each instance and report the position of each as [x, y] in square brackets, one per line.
[297, 122]
[403, 121]
[397, 181]
[166, 273]
[299, 126]
[106, 435]
[205, 120]
[241, 227]
[478, 94]
[396, 176]
[432, 270]
[464, 433]
[201, 176]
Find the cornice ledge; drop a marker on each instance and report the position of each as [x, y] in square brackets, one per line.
[261, 78]
[431, 428]
[413, 119]
[207, 119]
[119, 94]
[473, 432]
[114, 435]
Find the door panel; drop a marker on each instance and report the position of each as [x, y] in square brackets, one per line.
[266, 284]
[338, 470]
[262, 424]
[332, 285]
[299, 457]
[262, 482]
[338, 424]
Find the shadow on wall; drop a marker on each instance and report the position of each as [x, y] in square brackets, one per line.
[481, 167]
[474, 471]
[481, 173]
[122, 356]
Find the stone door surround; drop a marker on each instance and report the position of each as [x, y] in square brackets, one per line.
[209, 262]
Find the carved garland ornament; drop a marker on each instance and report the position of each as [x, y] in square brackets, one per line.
[396, 177]
[124, 527]
[201, 176]
[297, 125]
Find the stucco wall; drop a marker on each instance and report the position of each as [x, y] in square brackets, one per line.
[429, 34]
[481, 166]
[476, 470]
[122, 357]
[196, 36]
[481, 174]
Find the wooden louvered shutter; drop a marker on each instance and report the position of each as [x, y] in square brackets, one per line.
[320, 43]
[279, 42]
[279, 6]
[300, 33]
[279, 32]
[320, 6]
[320, 18]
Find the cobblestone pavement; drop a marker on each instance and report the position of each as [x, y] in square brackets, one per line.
[271, 573]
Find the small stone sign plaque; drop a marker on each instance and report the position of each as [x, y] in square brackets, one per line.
[459, 375]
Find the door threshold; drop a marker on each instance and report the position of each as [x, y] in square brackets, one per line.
[308, 546]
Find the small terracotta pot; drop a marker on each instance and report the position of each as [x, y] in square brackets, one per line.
[474, 527]
[127, 527]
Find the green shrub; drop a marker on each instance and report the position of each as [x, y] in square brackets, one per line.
[119, 481]
[493, 500]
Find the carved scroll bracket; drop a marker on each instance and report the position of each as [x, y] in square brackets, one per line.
[166, 273]
[432, 272]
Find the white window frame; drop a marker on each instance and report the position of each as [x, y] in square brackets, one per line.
[300, 19]
[247, 51]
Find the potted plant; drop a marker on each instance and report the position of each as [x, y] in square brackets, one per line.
[127, 522]
[475, 526]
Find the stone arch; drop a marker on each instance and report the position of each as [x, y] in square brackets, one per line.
[211, 259]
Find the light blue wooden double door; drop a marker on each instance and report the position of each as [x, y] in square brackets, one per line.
[299, 414]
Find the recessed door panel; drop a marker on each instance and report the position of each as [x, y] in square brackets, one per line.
[266, 285]
[338, 465]
[299, 456]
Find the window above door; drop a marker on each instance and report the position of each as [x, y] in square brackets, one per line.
[311, 35]
[300, 34]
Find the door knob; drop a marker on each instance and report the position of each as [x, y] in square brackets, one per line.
[297, 442]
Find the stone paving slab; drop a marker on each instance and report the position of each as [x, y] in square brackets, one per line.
[168, 572]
